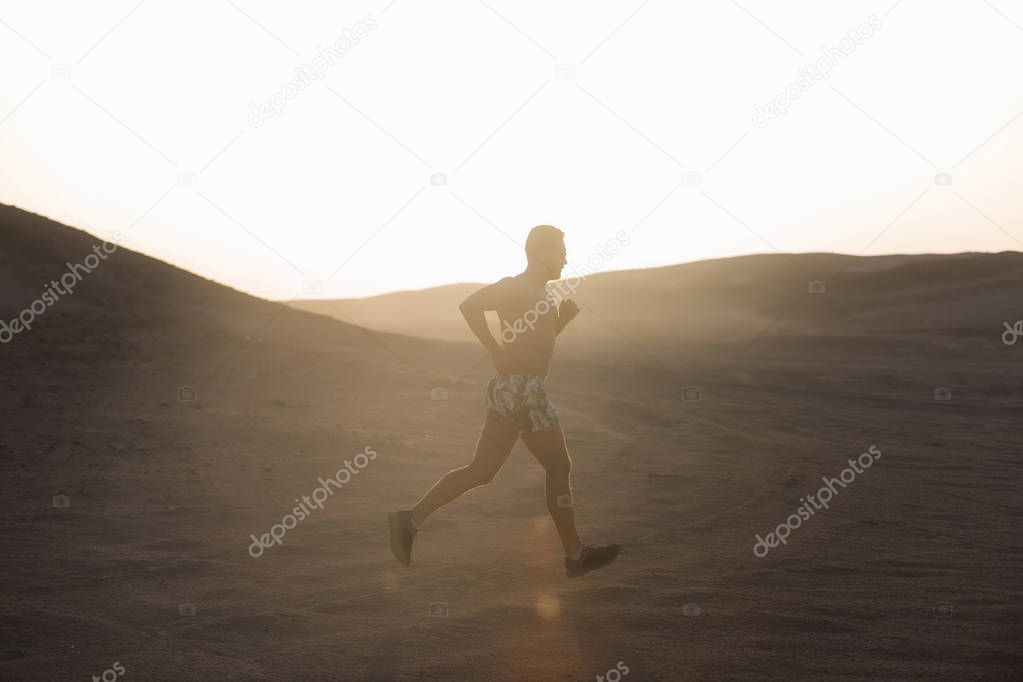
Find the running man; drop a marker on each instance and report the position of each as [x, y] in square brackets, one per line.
[516, 404]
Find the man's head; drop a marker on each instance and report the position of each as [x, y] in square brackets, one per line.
[545, 250]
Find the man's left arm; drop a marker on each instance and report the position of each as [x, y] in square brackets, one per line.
[566, 313]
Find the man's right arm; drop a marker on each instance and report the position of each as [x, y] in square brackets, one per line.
[474, 307]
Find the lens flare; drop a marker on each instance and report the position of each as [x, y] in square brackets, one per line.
[548, 607]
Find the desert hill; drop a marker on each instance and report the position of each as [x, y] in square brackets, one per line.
[724, 300]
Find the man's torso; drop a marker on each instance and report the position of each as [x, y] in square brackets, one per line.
[528, 324]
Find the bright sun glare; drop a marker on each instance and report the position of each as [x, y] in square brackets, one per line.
[891, 128]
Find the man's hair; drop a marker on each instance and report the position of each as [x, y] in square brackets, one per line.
[540, 239]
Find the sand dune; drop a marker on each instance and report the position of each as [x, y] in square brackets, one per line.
[148, 564]
[728, 299]
[430, 313]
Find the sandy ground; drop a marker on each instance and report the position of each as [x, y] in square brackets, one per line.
[164, 493]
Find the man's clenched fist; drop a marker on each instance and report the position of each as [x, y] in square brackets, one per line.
[567, 311]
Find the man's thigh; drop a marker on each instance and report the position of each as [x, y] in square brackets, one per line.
[548, 447]
[495, 443]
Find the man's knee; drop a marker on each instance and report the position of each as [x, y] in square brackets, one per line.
[480, 475]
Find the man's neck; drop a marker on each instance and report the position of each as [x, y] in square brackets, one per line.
[535, 276]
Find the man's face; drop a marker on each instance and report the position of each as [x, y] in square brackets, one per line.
[556, 259]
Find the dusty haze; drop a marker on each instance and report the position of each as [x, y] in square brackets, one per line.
[164, 493]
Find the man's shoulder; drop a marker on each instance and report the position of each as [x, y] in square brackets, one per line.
[511, 283]
[510, 292]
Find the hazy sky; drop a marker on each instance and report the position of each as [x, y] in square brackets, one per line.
[139, 117]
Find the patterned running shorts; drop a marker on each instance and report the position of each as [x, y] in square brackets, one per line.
[519, 399]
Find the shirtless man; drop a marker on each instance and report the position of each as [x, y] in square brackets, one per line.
[516, 404]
